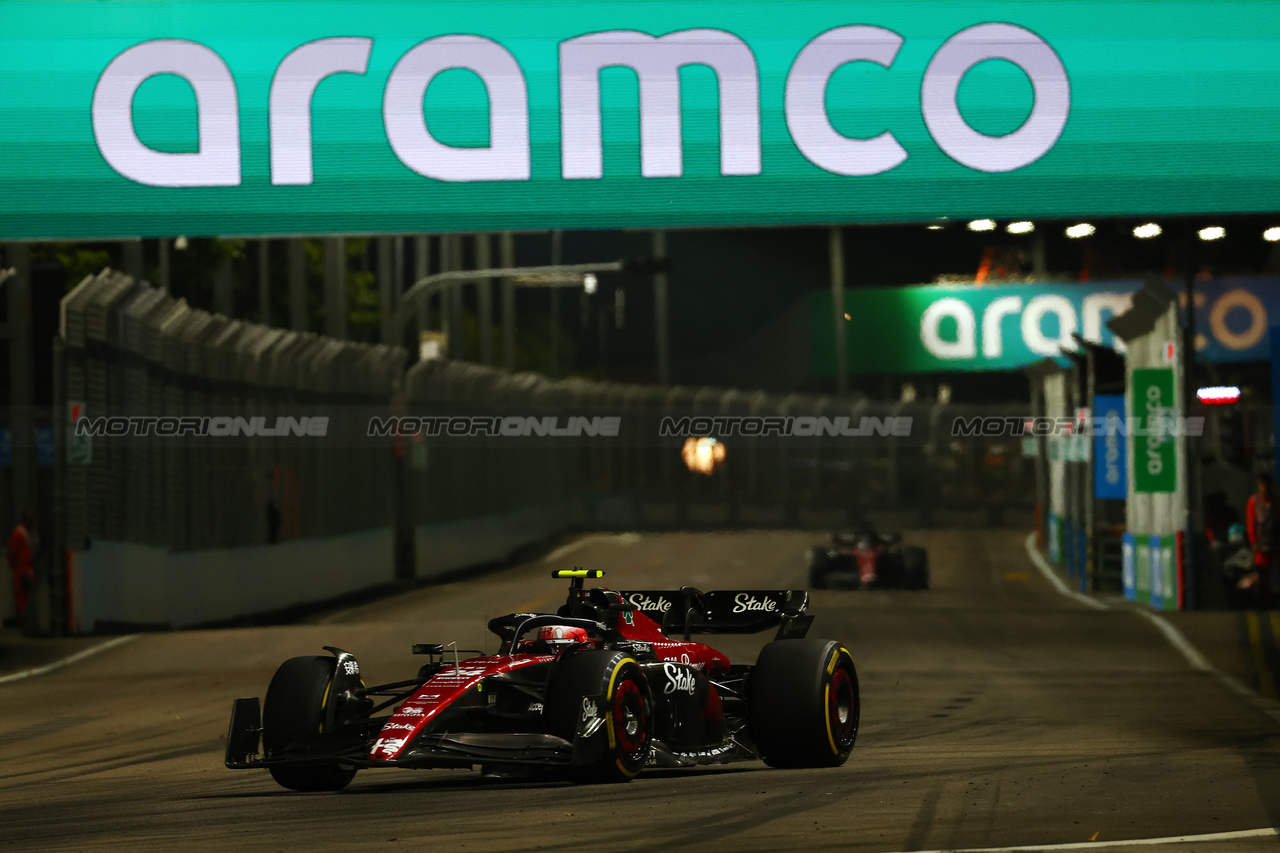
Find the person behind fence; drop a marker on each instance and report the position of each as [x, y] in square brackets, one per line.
[22, 548]
[1260, 521]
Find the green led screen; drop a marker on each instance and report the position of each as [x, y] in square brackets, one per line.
[129, 118]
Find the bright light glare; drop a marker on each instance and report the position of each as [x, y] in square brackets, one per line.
[1218, 395]
[982, 225]
[702, 455]
[1083, 229]
[1147, 231]
[589, 282]
[1020, 227]
[180, 243]
[935, 227]
[1271, 235]
[1213, 232]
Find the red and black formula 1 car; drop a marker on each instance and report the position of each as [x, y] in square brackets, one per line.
[594, 692]
[865, 558]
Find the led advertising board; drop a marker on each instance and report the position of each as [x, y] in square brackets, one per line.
[939, 328]
[137, 118]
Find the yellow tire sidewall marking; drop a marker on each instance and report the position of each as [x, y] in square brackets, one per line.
[324, 703]
[826, 697]
[608, 698]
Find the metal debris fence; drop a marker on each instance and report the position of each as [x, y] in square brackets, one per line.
[127, 348]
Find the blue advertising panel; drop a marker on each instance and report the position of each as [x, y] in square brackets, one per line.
[44, 447]
[1110, 472]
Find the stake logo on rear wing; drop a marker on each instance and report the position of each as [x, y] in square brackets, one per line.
[745, 611]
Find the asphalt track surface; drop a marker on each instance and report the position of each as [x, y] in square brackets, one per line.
[996, 712]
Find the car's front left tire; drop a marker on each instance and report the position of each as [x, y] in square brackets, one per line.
[294, 708]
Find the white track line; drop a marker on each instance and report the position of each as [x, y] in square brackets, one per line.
[70, 659]
[1172, 635]
[1268, 832]
[1178, 641]
[1050, 575]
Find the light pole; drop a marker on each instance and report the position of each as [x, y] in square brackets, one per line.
[561, 275]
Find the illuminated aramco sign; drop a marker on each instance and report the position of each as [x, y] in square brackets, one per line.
[294, 116]
[656, 62]
[932, 328]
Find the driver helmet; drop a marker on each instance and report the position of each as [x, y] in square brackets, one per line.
[1236, 534]
[559, 636]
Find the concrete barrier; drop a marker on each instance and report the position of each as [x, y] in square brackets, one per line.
[123, 584]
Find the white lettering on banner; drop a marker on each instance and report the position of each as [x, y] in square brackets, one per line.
[806, 102]
[1247, 301]
[216, 163]
[1032, 325]
[930, 334]
[507, 156]
[742, 602]
[992, 339]
[1037, 135]
[292, 87]
[1094, 304]
[1113, 449]
[1031, 317]
[657, 62]
[1155, 439]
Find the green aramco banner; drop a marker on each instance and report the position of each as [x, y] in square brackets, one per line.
[137, 118]
[1155, 457]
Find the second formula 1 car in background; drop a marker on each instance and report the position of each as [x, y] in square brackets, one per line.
[865, 558]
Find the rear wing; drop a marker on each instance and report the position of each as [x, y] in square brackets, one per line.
[724, 611]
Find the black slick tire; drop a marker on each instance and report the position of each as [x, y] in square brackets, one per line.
[915, 568]
[295, 708]
[819, 565]
[804, 704]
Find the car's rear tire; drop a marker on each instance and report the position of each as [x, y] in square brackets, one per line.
[915, 568]
[628, 712]
[295, 708]
[819, 564]
[804, 704]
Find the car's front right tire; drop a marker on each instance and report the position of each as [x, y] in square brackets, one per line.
[626, 734]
